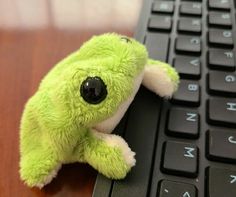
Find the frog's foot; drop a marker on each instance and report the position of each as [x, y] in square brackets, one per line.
[37, 171]
[109, 154]
[161, 78]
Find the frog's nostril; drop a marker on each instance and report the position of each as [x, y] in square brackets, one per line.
[126, 39]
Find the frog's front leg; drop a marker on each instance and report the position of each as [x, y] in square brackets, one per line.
[39, 167]
[109, 154]
[160, 78]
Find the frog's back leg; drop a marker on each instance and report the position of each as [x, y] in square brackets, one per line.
[38, 162]
[30, 134]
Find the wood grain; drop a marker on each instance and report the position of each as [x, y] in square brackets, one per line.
[34, 35]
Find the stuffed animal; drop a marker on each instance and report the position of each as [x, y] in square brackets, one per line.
[80, 101]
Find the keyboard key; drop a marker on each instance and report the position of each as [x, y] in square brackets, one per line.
[160, 23]
[157, 46]
[222, 83]
[163, 7]
[188, 44]
[174, 189]
[220, 19]
[221, 145]
[183, 123]
[188, 67]
[219, 4]
[222, 111]
[191, 8]
[221, 37]
[180, 159]
[190, 25]
[221, 59]
[187, 94]
[221, 182]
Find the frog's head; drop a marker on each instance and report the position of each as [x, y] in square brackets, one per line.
[129, 56]
[91, 84]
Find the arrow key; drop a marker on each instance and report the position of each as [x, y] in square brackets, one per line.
[221, 182]
[174, 189]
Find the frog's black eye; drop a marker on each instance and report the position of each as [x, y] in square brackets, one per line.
[125, 39]
[93, 90]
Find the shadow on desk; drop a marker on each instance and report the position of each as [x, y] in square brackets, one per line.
[75, 178]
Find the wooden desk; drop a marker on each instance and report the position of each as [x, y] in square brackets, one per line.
[34, 35]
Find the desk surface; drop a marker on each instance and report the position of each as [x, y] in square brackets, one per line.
[34, 35]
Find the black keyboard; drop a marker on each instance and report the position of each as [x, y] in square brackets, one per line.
[186, 146]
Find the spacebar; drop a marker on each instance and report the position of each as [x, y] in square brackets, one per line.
[157, 45]
[140, 134]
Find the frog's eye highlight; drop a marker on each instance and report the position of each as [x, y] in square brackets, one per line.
[93, 90]
[126, 39]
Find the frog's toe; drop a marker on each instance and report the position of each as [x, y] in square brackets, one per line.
[123, 160]
[36, 172]
[161, 78]
[127, 154]
[38, 178]
[47, 179]
[110, 155]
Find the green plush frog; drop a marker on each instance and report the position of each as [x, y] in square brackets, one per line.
[80, 101]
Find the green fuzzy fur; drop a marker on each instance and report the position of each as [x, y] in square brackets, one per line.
[56, 122]
[171, 72]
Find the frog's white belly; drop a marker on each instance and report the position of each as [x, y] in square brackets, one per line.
[109, 124]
